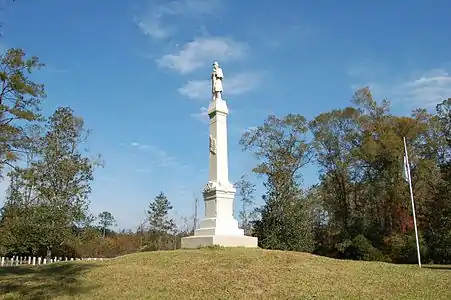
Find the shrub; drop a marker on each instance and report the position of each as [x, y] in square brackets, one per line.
[402, 248]
[359, 248]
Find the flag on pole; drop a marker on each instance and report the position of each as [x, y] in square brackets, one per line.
[406, 170]
[409, 180]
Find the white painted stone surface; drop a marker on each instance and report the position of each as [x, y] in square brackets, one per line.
[218, 227]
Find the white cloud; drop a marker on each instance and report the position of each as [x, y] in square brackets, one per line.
[152, 27]
[234, 85]
[155, 23]
[428, 89]
[202, 51]
[160, 157]
[242, 83]
[192, 7]
[141, 146]
[425, 89]
[196, 89]
[202, 115]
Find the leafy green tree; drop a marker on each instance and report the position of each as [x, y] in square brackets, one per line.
[437, 210]
[50, 197]
[160, 222]
[282, 147]
[359, 151]
[65, 174]
[361, 207]
[444, 116]
[335, 133]
[246, 190]
[20, 100]
[437, 233]
[106, 220]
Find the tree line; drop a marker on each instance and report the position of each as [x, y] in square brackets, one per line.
[359, 209]
[46, 211]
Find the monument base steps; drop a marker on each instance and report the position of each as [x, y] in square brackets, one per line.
[194, 242]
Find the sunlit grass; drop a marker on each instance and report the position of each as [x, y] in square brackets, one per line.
[224, 274]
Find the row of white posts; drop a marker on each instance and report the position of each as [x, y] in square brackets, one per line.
[23, 260]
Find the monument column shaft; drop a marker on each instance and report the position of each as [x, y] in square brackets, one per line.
[219, 227]
[219, 171]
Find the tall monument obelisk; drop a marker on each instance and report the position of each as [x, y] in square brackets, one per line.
[218, 227]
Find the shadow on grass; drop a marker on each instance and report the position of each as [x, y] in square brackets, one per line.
[438, 267]
[44, 282]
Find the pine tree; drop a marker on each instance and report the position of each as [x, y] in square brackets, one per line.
[106, 220]
[160, 222]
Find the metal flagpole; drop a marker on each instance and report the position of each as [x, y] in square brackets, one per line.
[407, 165]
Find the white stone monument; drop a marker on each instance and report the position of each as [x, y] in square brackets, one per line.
[219, 227]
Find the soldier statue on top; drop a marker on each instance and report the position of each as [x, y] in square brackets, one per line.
[217, 77]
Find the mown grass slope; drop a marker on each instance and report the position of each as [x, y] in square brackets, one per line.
[224, 274]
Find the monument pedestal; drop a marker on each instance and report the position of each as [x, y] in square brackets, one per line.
[194, 242]
[218, 227]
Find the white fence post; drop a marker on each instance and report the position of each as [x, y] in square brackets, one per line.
[33, 260]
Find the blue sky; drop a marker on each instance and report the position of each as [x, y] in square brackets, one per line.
[137, 70]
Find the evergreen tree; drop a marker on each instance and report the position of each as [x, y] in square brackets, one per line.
[20, 100]
[106, 220]
[160, 223]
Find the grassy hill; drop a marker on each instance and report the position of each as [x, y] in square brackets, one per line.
[224, 274]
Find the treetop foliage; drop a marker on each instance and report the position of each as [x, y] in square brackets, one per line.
[360, 208]
[20, 100]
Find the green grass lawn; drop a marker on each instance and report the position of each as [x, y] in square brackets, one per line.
[224, 274]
